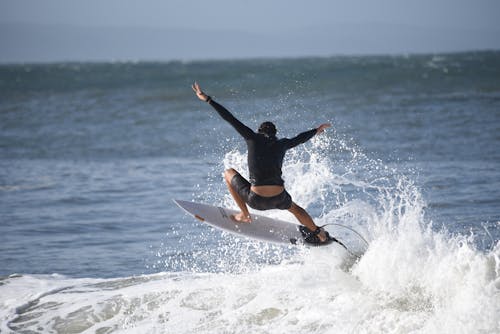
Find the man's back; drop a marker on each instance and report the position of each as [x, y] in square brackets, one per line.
[265, 153]
[265, 159]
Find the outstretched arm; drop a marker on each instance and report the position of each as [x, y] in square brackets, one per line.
[305, 136]
[202, 96]
[323, 127]
[242, 129]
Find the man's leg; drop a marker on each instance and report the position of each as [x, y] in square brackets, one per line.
[244, 215]
[305, 219]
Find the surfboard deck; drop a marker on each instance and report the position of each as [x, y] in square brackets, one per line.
[273, 230]
[261, 228]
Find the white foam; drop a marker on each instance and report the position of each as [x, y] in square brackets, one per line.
[451, 292]
[412, 279]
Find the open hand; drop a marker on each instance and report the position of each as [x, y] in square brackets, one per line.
[196, 88]
[322, 127]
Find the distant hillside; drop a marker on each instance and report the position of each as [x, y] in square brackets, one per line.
[47, 43]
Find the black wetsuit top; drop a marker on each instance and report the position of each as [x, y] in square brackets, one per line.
[265, 154]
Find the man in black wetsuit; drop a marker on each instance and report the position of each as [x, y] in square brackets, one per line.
[265, 158]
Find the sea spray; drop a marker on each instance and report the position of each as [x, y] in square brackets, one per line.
[409, 265]
[411, 279]
[89, 169]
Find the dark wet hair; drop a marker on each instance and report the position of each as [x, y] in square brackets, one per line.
[268, 129]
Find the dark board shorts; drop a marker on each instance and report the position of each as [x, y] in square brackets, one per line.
[282, 201]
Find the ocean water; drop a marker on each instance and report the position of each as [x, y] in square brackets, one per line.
[91, 156]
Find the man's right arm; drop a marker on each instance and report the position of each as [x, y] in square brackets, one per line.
[305, 136]
[301, 138]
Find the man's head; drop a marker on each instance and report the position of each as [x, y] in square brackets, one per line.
[267, 129]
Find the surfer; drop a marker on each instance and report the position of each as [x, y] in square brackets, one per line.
[265, 190]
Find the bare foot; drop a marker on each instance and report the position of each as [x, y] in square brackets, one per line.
[322, 235]
[241, 218]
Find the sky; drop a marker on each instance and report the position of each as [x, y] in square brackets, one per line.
[62, 30]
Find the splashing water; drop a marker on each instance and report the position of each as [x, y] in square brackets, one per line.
[411, 279]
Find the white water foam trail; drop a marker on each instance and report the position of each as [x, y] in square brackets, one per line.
[440, 281]
[312, 296]
[411, 279]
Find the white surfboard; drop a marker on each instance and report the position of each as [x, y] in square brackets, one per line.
[272, 230]
[261, 228]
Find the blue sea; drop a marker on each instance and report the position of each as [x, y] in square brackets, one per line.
[93, 154]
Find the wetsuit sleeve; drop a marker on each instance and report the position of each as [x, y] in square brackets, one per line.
[242, 129]
[301, 138]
